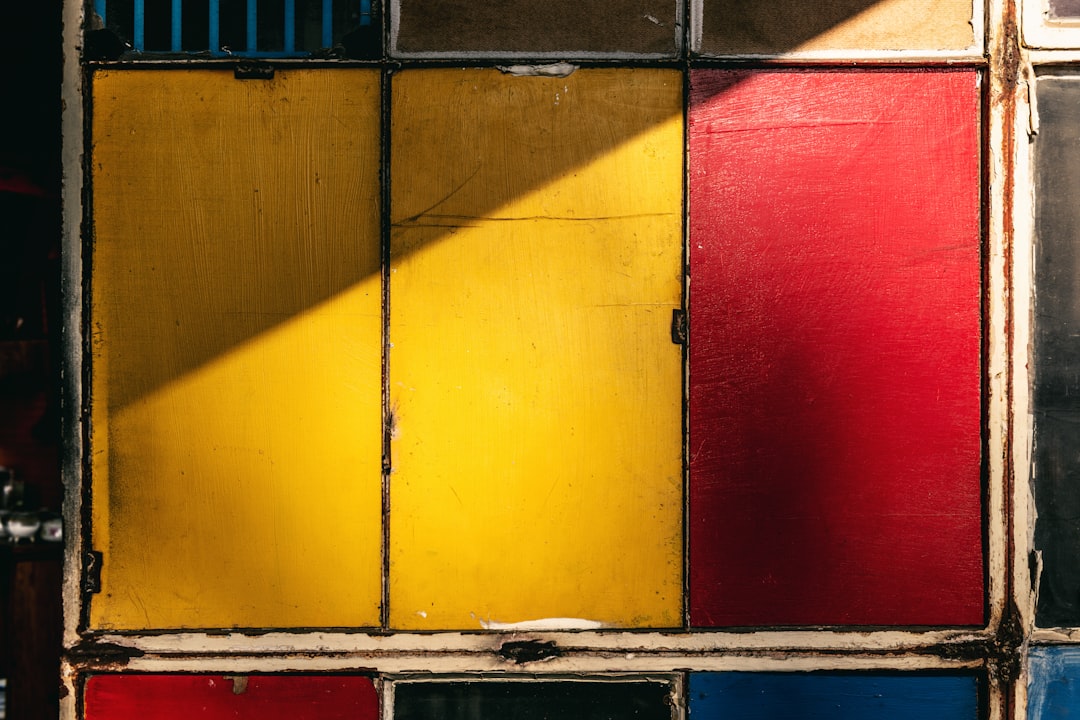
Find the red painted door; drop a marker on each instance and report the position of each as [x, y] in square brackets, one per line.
[835, 348]
[217, 697]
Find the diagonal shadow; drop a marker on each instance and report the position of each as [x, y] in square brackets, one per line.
[753, 27]
[289, 267]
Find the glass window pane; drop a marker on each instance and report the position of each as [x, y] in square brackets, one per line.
[1056, 353]
[494, 700]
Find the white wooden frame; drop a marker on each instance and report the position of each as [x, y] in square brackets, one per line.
[1008, 267]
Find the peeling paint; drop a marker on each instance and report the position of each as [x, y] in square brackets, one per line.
[544, 624]
[551, 70]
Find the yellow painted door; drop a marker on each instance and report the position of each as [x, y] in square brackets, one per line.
[536, 259]
[236, 349]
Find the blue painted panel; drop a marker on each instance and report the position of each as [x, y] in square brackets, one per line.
[835, 696]
[1054, 683]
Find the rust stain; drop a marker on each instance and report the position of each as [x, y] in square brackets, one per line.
[102, 655]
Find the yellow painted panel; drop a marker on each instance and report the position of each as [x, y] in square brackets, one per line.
[236, 349]
[535, 263]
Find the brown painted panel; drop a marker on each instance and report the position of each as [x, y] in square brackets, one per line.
[536, 26]
[752, 26]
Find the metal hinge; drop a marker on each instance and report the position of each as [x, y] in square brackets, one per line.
[678, 326]
[91, 579]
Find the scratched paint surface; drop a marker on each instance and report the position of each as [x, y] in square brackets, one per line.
[748, 26]
[236, 345]
[835, 339]
[535, 26]
[1053, 683]
[535, 264]
[240, 697]
[817, 696]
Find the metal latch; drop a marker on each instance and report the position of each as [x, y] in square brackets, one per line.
[91, 580]
[251, 70]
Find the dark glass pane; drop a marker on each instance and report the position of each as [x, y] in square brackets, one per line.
[195, 36]
[494, 700]
[1056, 352]
[158, 25]
[271, 25]
[233, 25]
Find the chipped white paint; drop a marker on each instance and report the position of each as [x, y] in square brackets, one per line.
[637, 643]
[1023, 210]
[543, 624]
[550, 70]
[998, 338]
[71, 322]
[474, 663]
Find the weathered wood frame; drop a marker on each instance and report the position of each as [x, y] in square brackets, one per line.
[996, 651]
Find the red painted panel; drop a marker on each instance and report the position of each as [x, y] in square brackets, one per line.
[835, 348]
[214, 697]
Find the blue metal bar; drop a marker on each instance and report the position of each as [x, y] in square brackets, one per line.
[327, 23]
[177, 25]
[252, 25]
[215, 26]
[290, 25]
[140, 26]
[365, 12]
[99, 8]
